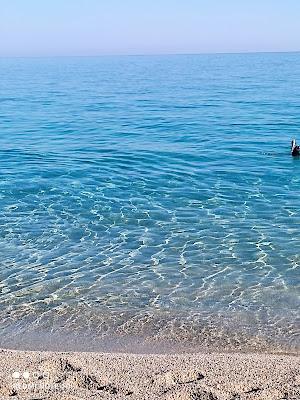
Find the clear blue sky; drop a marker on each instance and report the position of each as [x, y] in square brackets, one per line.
[96, 27]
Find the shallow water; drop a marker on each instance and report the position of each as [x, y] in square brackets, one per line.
[151, 198]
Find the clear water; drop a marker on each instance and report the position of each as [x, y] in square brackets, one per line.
[151, 199]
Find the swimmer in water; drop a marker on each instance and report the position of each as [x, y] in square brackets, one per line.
[295, 149]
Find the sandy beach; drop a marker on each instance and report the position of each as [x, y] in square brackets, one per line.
[66, 375]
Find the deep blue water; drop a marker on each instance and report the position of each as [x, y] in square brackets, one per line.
[151, 197]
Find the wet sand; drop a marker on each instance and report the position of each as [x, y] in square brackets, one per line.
[215, 376]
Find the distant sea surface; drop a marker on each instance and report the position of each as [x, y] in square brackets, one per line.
[150, 202]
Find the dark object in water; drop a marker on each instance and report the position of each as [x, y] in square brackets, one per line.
[295, 149]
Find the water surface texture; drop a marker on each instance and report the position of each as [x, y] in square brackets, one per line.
[150, 198]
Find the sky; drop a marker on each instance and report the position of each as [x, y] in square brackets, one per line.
[108, 27]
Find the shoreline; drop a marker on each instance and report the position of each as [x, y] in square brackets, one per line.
[55, 375]
[148, 333]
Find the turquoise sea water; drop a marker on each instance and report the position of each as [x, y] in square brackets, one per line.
[150, 200]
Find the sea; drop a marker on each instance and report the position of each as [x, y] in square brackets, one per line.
[150, 203]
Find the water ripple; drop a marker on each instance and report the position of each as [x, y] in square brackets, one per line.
[138, 208]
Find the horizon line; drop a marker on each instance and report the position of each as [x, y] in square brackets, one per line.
[150, 54]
